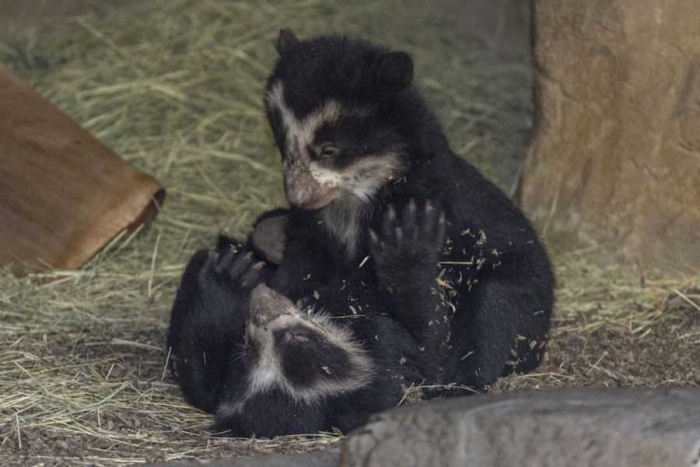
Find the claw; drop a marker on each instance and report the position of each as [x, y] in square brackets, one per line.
[412, 206]
[251, 275]
[388, 224]
[409, 220]
[428, 221]
[442, 228]
[376, 245]
[209, 263]
[211, 258]
[240, 266]
[225, 261]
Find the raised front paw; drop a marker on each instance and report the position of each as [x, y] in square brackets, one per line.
[234, 267]
[269, 236]
[413, 240]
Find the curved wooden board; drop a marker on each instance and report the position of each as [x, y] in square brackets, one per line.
[63, 194]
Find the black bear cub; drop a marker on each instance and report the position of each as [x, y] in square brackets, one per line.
[364, 159]
[268, 367]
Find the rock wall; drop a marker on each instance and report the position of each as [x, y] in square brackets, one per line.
[616, 156]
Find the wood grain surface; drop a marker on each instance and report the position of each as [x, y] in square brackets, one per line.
[63, 195]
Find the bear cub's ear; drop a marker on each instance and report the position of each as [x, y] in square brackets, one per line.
[285, 41]
[393, 71]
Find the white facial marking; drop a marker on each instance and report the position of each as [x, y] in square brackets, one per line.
[366, 176]
[267, 372]
[300, 133]
[342, 220]
[325, 176]
[360, 180]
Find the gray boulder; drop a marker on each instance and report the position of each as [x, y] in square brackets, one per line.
[571, 428]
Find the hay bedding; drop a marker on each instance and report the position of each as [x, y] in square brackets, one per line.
[175, 87]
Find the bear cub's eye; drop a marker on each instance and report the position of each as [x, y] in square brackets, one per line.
[328, 151]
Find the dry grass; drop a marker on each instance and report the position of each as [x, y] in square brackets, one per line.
[615, 327]
[175, 87]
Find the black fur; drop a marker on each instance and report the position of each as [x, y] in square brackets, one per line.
[493, 269]
[443, 277]
[207, 320]
[209, 316]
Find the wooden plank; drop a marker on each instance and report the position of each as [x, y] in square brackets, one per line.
[63, 195]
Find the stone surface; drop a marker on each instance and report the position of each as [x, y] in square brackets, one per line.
[616, 158]
[573, 428]
[326, 458]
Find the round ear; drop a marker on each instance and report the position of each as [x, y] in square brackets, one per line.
[285, 40]
[393, 71]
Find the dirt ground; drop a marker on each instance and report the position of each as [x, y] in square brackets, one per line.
[175, 88]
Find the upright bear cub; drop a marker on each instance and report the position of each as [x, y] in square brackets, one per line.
[369, 173]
